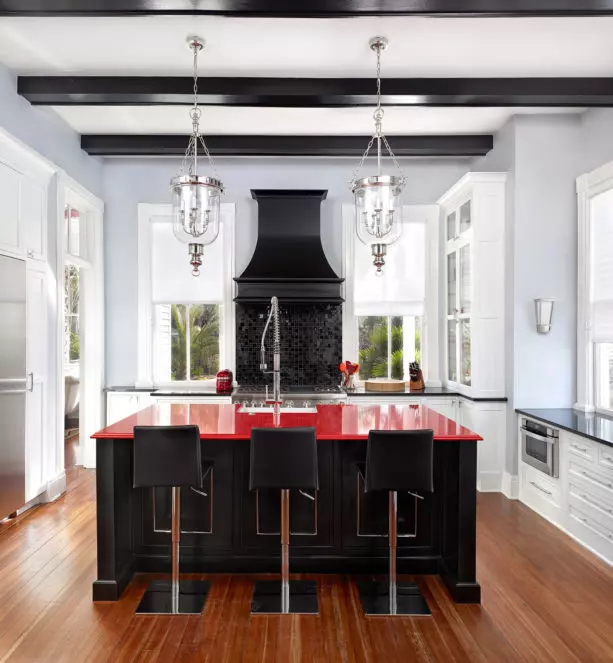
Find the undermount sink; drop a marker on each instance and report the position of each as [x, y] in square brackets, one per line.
[266, 409]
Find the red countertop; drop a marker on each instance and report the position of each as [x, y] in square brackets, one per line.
[332, 422]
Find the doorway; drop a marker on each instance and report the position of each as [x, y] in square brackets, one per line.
[82, 324]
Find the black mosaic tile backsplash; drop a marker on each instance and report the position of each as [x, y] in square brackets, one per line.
[311, 344]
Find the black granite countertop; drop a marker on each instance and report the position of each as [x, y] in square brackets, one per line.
[146, 390]
[593, 426]
[429, 391]
[170, 392]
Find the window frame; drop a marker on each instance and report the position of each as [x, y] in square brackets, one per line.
[147, 212]
[430, 344]
[588, 186]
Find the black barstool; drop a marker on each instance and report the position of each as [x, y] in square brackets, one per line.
[397, 461]
[170, 456]
[284, 458]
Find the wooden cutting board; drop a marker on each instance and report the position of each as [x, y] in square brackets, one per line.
[384, 384]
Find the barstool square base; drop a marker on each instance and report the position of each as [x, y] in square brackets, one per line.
[376, 600]
[157, 600]
[266, 599]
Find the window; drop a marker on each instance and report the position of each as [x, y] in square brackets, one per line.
[186, 323]
[72, 334]
[384, 332]
[74, 235]
[387, 345]
[187, 342]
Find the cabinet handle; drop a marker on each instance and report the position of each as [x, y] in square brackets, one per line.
[589, 500]
[607, 458]
[30, 253]
[583, 450]
[547, 492]
[31, 381]
[591, 478]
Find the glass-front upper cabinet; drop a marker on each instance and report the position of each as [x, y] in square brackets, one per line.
[472, 232]
[459, 294]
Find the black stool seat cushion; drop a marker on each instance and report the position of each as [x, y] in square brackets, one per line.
[283, 458]
[400, 460]
[167, 456]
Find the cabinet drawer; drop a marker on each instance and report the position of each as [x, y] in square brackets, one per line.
[581, 517]
[579, 446]
[605, 456]
[597, 477]
[592, 503]
[540, 487]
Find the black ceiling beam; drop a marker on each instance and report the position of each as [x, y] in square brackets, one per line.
[281, 146]
[315, 92]
[307, 8]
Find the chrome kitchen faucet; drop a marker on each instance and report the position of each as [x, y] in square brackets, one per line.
[276, 349]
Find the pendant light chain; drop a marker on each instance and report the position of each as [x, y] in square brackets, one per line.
[378, 135]
[191, 154]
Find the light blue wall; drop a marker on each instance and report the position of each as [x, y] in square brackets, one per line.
[44, 131]
[128, 182]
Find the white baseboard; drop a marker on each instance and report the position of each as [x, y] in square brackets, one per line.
[489, 482]
[510, 485]
[55, 488]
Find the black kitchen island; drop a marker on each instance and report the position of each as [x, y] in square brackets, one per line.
[228, 529]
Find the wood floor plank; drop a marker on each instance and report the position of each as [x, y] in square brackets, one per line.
[545, 600]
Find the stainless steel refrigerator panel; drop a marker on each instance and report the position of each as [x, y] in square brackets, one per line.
[12, 384]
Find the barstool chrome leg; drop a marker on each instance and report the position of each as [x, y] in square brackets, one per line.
[285, 552]
[389, 599]
[177, 597]
[175, 555]
[393, 543]
[285, 597]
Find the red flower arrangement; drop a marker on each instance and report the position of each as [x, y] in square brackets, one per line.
[348, 369]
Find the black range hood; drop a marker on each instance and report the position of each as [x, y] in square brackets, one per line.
[289, 260]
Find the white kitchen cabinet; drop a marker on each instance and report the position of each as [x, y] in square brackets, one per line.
[122, 404]
[34, 218]
[580, 500]
[387, 399]
[11, 231]
[473, 213]
[448, 407]
[37, 357]
[193, 400]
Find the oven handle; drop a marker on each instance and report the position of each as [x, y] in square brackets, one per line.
[542, 438]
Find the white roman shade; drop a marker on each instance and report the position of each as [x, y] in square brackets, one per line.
[602, 273]
[401, 289]
[171, 273]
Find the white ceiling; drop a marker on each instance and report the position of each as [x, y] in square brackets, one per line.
[419, 47]
[155, 45]
[307, 121]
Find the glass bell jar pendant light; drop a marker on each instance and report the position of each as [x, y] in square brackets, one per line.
[377, 197]
[196, 198]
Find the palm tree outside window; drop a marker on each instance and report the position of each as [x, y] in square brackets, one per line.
[187, 344]
[387, 344]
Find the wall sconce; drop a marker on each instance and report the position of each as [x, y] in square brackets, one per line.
[543, 309]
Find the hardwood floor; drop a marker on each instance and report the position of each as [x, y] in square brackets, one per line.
[544, 599]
